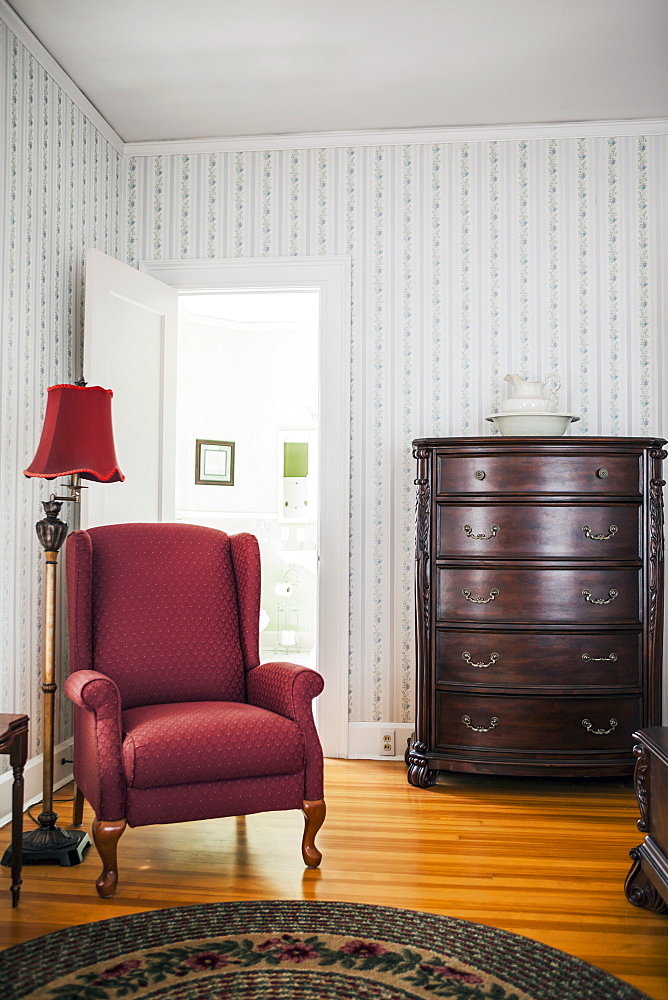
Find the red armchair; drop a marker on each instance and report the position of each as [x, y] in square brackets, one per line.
[174, 716]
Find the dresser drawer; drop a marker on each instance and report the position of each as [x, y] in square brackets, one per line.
[526, 723]
[513, 531]
[538, 595]
[529, 659]
[548, 474]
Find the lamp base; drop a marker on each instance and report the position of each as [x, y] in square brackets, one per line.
[49, 844]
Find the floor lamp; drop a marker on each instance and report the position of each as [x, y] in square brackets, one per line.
[77, 441]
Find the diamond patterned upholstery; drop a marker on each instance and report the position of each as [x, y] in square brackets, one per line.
[245, 738]
[175, 718]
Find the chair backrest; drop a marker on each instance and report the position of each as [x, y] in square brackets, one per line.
[169, 611]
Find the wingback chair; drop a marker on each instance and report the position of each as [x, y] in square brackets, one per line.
[175, 718]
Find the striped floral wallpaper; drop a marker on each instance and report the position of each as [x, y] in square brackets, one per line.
[61, 184]
[470, 260]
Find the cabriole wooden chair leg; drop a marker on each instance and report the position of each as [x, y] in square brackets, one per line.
[106, 834]
[314, 817]
[77, 809]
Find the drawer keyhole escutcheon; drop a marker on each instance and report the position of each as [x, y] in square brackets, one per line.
[479, 474]
[612, 530]
[602, 473]
[600, 600]
[600, 732]
[468, 530]
[493, 722]
[483, 666]
[599, 659]
[481, 600]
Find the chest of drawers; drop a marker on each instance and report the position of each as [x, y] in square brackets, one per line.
[539, 604]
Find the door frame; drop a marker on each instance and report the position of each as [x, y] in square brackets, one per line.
[332, 277]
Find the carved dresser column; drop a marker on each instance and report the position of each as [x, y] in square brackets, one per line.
[419, 773]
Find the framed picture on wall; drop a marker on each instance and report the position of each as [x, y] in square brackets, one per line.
[214, 463]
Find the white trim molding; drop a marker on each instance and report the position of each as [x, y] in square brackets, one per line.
[400, 137]
[59, 76]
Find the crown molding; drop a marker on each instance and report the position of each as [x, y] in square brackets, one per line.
[394, 137]
[58, 75]
[321, 140]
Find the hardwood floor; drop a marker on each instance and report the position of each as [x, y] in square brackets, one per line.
[546, 859]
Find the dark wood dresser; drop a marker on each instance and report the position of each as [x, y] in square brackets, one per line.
[539, 604]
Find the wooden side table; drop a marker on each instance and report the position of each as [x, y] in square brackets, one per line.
[14, 741]
[647, 883]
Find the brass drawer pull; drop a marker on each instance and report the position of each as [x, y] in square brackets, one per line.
[599, 659]
[602, 473]
[492, 659]
[599, 732]
[493, 530]
[600, 600]
[493, 722]
[481, 600]
[612, 530]
[479, 474]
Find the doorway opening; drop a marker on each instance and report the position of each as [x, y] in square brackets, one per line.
[247, 443]
[331, 278]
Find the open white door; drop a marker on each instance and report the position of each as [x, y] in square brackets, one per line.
[130, 330]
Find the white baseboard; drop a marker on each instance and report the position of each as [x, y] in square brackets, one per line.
[364, 739]
[32, 784]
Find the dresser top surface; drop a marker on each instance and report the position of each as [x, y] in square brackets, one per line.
[656, 739]
[501, 443]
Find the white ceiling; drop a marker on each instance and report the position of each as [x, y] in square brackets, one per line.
[187, 69]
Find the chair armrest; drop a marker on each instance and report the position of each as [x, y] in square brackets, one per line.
[98, 737]
[95, 692]
[288, 690]
[284, 688]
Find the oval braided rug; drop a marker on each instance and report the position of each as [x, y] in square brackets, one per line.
[283, 950]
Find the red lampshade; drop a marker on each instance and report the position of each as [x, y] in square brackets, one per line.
[77, 436]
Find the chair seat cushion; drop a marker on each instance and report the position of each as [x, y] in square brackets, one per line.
[207, 741]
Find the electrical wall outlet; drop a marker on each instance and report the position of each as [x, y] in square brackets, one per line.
[387, 743]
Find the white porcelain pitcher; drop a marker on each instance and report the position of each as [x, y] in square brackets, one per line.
[531, 396]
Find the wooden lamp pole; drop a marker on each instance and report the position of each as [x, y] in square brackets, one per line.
[48, 842]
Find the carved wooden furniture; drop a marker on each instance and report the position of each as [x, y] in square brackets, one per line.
[647, 882]
[14, 741]
[175, 717]
[539, 571]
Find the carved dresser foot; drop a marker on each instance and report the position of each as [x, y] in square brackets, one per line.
[638, 888]
[419, 772]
